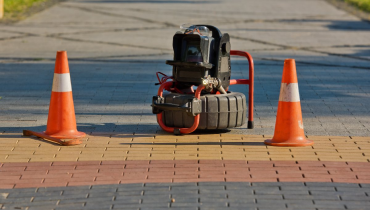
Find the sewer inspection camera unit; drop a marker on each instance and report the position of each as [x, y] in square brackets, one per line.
[202, 60]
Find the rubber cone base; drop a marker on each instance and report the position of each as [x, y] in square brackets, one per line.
[67, 135]
[64, 142]
[303, 143]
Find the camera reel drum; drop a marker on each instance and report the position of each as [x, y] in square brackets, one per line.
[202, 60]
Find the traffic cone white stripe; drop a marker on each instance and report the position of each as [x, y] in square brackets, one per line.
[62, 83]
[289, 92]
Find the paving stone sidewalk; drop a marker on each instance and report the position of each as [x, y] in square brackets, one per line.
[127, 162]
[116, 47]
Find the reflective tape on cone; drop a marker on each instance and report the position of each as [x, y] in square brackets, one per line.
[62, 83]
[289, 92]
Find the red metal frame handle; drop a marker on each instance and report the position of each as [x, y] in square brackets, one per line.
[166, 86]
[249, 82]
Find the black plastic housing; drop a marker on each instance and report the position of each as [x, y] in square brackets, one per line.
[214, 60]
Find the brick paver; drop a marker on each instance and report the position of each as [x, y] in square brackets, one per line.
[100, 147]
[53, 174]
[117, 159]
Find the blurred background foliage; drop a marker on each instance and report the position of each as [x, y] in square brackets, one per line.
[363, 5]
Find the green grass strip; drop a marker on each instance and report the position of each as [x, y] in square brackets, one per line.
[363, 5]
[13, 8]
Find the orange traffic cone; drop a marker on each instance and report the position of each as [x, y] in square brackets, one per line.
[289, 125]
[61, 120]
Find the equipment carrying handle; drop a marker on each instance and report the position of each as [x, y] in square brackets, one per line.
[166, 86]
[249, 81]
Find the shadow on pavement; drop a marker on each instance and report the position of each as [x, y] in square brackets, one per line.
[336, 24]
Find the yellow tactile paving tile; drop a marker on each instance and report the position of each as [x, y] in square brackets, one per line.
[16, 148]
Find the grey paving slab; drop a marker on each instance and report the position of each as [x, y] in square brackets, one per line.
[115, 48]
[325, 200]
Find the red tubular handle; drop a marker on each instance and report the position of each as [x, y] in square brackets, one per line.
[165, 86]
[239, 82]
[195, 125]
[249, 82]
